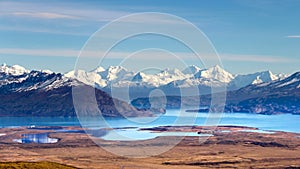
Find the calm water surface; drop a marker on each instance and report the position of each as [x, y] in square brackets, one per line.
[283, 122]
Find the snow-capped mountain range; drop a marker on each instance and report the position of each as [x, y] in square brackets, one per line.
[273, 97]
[14, 70]
[17, 78]
[44, 93]
[28, 92]
[192, 76]
[120, 77]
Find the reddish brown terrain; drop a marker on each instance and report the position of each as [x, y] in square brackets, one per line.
[234, 148]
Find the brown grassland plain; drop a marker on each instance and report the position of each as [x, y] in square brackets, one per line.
[234, 149]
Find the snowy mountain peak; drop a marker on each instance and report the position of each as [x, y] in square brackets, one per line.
[216, 67]
[116, 73]
[265, 76]
[215, 72]
[169, 71]
[47, 71]
[193, 69]
[138, 77]
[254, 78]
[99, 69]
[288, 84]
[14, 70]
[116, 68]
[269, 74]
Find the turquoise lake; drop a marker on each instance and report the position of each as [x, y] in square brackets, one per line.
[281, 122]
[129, 127]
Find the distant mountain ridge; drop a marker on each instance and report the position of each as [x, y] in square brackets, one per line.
[118, 77]
[140, 84]
[274, 97]
[44, 93]
[25, 92]
[282, 96]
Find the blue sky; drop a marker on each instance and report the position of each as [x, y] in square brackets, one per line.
[249, 35]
